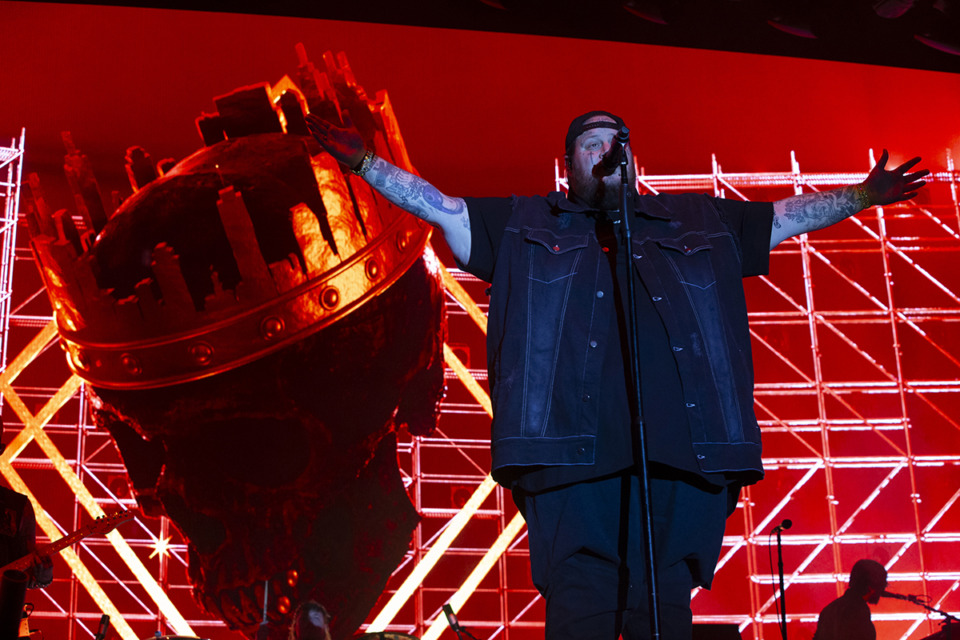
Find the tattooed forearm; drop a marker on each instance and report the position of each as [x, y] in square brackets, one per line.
[416, 195]
[812, 211]
[413, 193]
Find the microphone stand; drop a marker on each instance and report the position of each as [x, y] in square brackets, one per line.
[623, 136]
[948, 631]
[783, 593]
[13, 591]
[462, 629]
[454, 623]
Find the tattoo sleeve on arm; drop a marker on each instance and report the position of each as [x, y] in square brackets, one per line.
[812, 211]
[414, 194]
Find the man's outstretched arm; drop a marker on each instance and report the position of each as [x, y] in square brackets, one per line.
[402, 188]
[811, 211]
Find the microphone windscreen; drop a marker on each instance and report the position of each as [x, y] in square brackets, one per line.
[451, 617]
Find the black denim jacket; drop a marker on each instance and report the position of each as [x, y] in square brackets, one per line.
[547, 323]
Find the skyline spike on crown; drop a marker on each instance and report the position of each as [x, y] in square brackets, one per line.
[351, 244]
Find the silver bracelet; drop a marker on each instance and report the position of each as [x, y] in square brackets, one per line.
[365, 164]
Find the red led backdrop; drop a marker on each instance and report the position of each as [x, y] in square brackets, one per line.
[856, 345]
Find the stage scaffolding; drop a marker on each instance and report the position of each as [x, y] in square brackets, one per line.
[857, 351]
[11, 175]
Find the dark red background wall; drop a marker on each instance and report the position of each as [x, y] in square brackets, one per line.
[481, 113]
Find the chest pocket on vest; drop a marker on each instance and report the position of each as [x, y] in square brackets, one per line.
[689, 256]
[552, 258]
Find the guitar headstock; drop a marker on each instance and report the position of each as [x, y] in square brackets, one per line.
[104, 524]
[107, 523]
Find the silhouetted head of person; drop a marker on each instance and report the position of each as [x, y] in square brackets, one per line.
[868, 579]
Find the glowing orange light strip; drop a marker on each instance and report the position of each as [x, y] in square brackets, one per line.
[468, 380]
[454, 526]
[461, 295]
[416, 577]
[33, 428]
[43, 520]
[477, 575]
[73, 560]
[31, 351]
[459, 521]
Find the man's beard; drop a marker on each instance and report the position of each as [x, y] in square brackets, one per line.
[597, 193]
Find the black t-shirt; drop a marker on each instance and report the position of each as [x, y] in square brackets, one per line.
[667, 433]
[17, 526]
[846, 618]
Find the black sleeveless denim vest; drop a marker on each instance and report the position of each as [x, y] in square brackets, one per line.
[547, 329]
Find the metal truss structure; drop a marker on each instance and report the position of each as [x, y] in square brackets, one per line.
[857, 354]
[11, 175]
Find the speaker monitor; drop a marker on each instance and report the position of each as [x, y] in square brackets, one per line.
[716, 632]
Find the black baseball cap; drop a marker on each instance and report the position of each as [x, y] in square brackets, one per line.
[577, 127]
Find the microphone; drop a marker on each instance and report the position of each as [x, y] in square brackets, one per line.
[611, 159]
[104, 624]
[783, 526]
[921, 600]
[451, 618]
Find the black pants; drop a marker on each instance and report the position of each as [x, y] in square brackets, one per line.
[589, 565]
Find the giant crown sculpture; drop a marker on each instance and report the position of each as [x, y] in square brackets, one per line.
[162, 329]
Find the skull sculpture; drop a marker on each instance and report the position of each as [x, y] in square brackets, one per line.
[255, 324]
